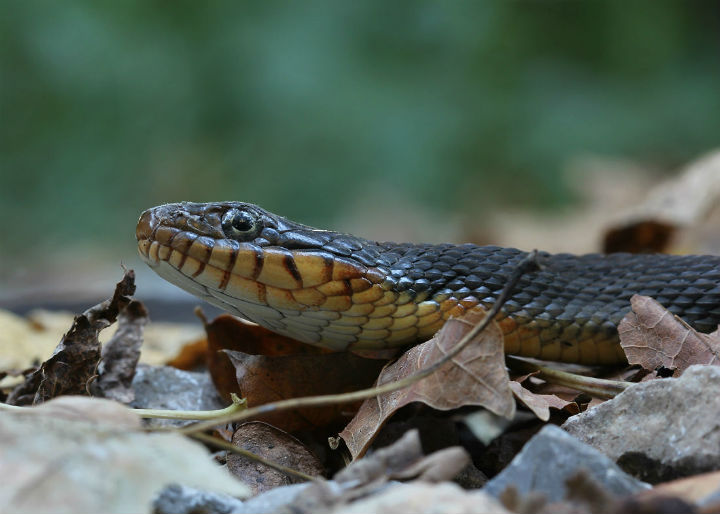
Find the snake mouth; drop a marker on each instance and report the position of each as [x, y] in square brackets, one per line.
[144, 233]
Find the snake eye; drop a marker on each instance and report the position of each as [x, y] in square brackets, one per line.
[237, 223]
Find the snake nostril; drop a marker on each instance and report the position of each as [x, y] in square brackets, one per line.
[146, 225]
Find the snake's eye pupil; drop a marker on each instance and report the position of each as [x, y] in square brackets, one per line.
[242, 222]
[238, 222]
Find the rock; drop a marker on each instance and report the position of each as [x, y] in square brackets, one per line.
[178, 499]
[658, 430]
[550, 458]
[187, 500]
[163, 387]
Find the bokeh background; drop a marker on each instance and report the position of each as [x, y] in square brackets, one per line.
[418, 120]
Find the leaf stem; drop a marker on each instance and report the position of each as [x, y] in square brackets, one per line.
[236, 406]
[599, 387]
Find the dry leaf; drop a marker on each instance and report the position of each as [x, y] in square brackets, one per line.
[75, 360]
[404, 460]
[653, 337]
[639, 237]
[25, 341]
[263, 379]
[439, 466]
[230, 333]
[273, 445]
[671, 209]
[540, 404]
[191, 356]
[120, 355]
[477, 376]
[691, 489]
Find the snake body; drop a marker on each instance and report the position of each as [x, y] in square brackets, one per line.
[344, 292]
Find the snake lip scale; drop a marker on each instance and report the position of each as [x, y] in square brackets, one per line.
[344, 292]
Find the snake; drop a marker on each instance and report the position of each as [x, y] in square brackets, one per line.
[346, 293]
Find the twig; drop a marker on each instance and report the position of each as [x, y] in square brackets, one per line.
[599, 387]
[224, 445]
[529, 263]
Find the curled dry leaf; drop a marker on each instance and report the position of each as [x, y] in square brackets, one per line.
[477, 376]
[275, 446]
[120, 355]
[653, 337]
[538, 403]
[677, 207]
[74, 363]
[693, 489]
[404, 460]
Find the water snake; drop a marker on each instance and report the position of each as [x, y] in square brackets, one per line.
[344, 292]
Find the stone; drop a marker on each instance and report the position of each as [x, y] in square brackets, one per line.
[178, 499]
[550, 458]
[658, 430]
[164, 387]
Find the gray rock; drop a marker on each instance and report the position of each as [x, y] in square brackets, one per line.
[164, 387]
[659, 430]
[178, 499]
[550, 458]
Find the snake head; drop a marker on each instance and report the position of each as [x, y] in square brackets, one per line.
[265, 268]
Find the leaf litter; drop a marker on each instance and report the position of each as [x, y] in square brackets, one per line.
[74, 364]
[653, 337]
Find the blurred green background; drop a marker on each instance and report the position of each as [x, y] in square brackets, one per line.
[309, 108]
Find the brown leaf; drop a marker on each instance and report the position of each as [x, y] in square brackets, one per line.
[191, 356]
[230, 333]
[74, 362]
[653, 337]
[679, 208]
[120, 355]
[639, 237]
[264, 379]
[477, 376]
[691, 489]
[540, 404]
[439, 466]
[273, 445]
